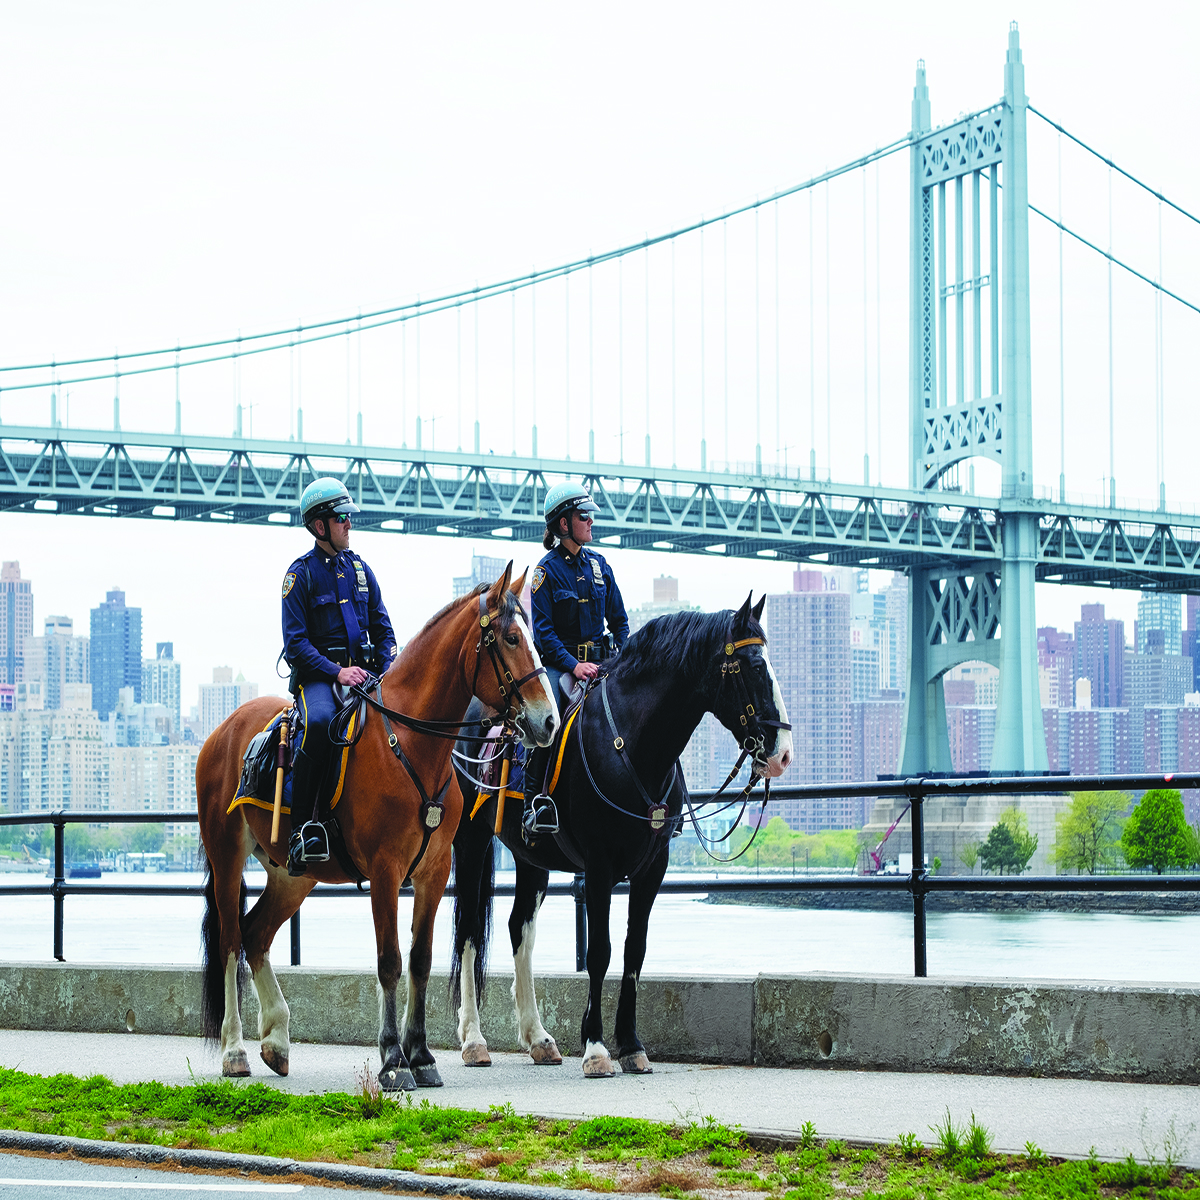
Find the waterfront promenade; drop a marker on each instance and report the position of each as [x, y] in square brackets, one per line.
[1063, 1116]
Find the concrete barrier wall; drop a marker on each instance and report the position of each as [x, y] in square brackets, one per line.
[1028, 1027]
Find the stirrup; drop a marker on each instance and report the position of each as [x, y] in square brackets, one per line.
[540, 816]
[314, 843]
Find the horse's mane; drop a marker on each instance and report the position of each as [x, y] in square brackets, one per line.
[683, 644]
[509, 606]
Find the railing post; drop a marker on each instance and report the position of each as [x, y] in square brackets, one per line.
[295, 924]
[577, 890]
[56, 888]
[920, 965]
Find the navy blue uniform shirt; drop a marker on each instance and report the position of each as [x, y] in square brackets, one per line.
[572, 599]
[317, 629]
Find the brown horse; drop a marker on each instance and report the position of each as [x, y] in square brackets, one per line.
[381, 815]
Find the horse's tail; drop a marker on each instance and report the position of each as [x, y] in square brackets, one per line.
[212, 995]
[474, 857]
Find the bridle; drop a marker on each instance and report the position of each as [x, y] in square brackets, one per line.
[754, 743]
[487, 640]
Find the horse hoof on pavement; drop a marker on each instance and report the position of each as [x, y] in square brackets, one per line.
[277, 1060]
[636, 1064]
[545, 1054]
[427, 1076]
[397, 1079]
[476, 1055]
[599, 1066]
[235, 1065]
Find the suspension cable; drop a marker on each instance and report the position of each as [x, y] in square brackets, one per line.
[1109, 162]
[320, 330]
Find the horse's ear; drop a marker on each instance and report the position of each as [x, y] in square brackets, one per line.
[518, 585]
[496, 594]
[757, 611]
[743, 614]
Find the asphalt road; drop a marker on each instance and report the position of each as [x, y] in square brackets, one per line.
[1062, 1116]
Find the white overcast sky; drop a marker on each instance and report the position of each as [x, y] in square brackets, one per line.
[181, 172]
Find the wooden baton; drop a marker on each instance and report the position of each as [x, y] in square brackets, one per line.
[502, 793]
[280, 759]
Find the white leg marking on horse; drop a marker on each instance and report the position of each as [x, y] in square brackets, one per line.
[274, 1018]
[233, 1052]
[531, 1033]
[470, 1032]
[544, 678]
[783, 737]
[410, 1003]
[597, 1064]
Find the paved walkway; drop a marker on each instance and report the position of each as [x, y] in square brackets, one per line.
[1062, 1116]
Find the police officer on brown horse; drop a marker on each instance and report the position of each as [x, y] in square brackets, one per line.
[335, 631]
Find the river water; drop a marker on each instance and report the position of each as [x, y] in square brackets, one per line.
[687, 936]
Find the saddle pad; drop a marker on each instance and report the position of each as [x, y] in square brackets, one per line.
[267, 779]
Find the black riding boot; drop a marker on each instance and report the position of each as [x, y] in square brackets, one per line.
[540, 814]
[310, 841]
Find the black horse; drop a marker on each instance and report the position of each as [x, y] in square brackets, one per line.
[620, 795]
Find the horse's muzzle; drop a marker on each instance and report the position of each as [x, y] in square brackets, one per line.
[539, 727]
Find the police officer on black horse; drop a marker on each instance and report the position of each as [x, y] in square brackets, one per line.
[335, 631]
[574, 595]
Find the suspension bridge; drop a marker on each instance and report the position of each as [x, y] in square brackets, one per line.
[973, 556]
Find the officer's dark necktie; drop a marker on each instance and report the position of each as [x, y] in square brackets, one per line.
[344, 570]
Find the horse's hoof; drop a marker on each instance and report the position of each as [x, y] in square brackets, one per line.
[427, 1076]
[599, 1066]
[476, 1055]
[236, 1065]
[636, 1064]
[397, 1079]
[545, 1054]
[276, 1059]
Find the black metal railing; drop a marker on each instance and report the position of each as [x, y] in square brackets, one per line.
[919, 883]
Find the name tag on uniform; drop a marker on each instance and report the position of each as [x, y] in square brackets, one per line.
[596, 575]
[362, 576]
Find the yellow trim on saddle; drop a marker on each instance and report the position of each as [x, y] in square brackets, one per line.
[254, 799]
[485, 795]
[562, 749]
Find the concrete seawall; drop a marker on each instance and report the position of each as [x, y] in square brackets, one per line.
[1147, 1033]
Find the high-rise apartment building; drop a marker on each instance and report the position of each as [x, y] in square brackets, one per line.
[116, 652]
[1159, 613]
[1100, 656]
[16, 621]
[1056, 667]
[483, 570]
[219, 698]
[809, 631]
[57, 658]
[161, 681]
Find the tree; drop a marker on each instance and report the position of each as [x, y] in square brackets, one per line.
[1009, 844]
[968, 855]
[1156, 833]
[1024, 842]
[1089, 831]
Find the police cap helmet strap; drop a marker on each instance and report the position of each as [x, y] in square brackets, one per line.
[324, 497]
[567, 497]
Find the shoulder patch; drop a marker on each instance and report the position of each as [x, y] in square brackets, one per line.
[289, 581]
[539, 574]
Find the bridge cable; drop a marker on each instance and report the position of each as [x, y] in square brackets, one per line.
[1113, 166]
[399, 313]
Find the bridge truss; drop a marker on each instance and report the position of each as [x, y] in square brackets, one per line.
[444, 493]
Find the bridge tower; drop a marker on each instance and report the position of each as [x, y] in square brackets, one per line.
[968, 177]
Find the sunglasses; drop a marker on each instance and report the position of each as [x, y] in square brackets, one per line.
[584, 517]
[341, 518]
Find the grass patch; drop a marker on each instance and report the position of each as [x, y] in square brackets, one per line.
[603, 1154]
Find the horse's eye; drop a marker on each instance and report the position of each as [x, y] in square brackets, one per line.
[511, 639]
